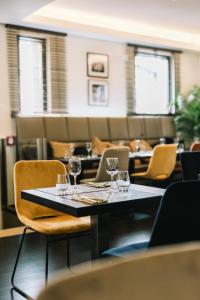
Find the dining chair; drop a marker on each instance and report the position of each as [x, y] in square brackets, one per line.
[190, 165]
[167, 273]
[121, 152]
[195, 146]
[52, 224]
[161, 164]
[177, 220]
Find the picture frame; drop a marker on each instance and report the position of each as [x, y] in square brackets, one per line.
[97, 93]
[97, 65]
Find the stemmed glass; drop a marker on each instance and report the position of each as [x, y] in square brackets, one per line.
[112, 165]
[88, 148]
[74, 169]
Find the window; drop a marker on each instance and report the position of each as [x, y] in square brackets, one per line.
[152, 79]
[152, 83]
[32, 75]
[36, 70]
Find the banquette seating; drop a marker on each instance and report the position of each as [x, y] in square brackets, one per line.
[34, 133]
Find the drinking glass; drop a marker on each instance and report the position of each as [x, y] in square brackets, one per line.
[112, 165]
[74, 169]
[89, 148]
[123, 181]
[138, 145]
[162, 141]
[181, 147]
[62, 184]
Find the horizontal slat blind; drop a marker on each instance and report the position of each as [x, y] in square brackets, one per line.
[55, 100]
[58, 74]
[130, 79]
[13, 69]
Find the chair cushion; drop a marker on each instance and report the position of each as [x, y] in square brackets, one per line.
[99, 146]
[59, 149]
[57, 224]
[144, 145]
[126, 250]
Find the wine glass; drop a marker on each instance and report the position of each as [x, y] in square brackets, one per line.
[88, 148]
[112, 165]
[62, 184]
[74, 169]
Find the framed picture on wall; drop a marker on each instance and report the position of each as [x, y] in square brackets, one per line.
[97, 65]
[97, 93]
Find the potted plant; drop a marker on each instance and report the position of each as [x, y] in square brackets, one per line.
[187, 119]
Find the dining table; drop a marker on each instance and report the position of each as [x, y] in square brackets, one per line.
[98, 202]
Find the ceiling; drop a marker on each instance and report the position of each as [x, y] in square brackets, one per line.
[175, 23]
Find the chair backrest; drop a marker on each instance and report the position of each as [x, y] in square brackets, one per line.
[178, 218]
[122, 153]
[162, 162]
[190, 164]
[195, 146]
[168, 273]
[34, 174]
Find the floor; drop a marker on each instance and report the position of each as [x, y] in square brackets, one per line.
[30, 275]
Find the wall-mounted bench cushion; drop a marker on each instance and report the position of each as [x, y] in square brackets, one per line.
[30, 128]
[168, 127]
[59, 149]
[78, 129]
[56, 129]
[118, 129]
[99, 127]
[99, 146]
[144, 145]
[136, 127]
[153, 129]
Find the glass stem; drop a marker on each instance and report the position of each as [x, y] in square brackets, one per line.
[112, 180]
[75, 182]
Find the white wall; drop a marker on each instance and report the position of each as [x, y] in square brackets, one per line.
[189, 71]
[77, 81]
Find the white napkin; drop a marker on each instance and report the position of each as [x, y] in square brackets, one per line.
[98, 184]
[89, 200]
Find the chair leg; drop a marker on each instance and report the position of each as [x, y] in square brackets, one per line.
[47, 260]
[68, 254]
[14, 287]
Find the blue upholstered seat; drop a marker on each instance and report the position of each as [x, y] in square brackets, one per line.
[177, 220]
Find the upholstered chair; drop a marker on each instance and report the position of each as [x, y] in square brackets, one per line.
[195, 146]
[190, 165]
[161, 164]
[39, 174]
[167, 273]
[121, 152]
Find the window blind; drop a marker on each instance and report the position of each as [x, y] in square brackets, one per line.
[130, 79]
[54, 54]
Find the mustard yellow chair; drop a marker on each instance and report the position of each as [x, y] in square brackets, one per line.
[38, 174]
[165, 273]
[161, 164]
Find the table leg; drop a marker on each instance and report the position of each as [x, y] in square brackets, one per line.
[99, 234]
[131, 168]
